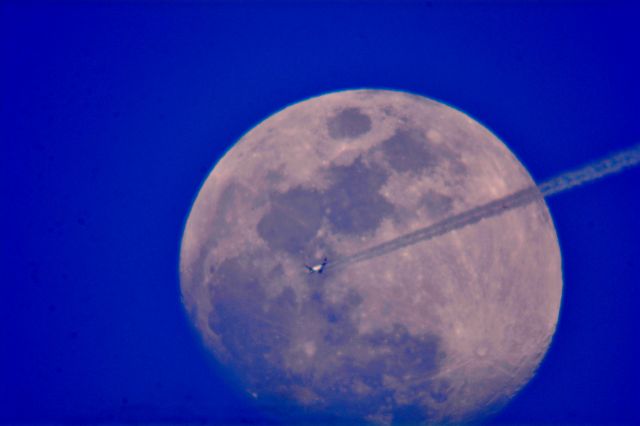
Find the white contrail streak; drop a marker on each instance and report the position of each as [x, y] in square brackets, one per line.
[614, 163]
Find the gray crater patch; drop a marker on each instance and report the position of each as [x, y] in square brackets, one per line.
[292, 221]
[353, 202]
[409, 151]
[348, 124]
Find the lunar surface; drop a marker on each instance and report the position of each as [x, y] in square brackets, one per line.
[445, 330]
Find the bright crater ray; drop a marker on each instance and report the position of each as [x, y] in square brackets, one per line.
[445, 330]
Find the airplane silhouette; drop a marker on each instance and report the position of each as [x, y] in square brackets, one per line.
[317, 269]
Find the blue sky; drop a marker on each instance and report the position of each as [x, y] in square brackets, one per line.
[113, 114]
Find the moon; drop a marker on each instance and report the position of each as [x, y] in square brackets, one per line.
[446, 330]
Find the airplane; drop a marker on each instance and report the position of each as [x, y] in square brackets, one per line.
[317, 269]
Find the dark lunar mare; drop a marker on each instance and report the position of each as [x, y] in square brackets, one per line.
[348, 123]
[408, 151]
[352, 205]
[293, 219]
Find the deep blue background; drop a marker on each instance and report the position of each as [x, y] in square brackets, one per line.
[113, 114]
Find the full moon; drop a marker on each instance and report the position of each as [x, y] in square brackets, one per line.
[445, 330]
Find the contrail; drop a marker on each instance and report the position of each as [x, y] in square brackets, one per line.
[614, 163]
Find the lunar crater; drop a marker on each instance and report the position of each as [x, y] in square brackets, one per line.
[348, 123]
